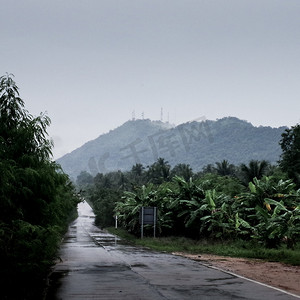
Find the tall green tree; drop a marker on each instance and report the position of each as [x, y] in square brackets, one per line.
[22, 135]
[225, 168]
[290, 158]
[255, 169]
[159, 171]
[84, 179]
[36, 197]
[137, 174]
[182, 170]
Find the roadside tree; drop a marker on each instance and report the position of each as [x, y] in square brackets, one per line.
[290, 158]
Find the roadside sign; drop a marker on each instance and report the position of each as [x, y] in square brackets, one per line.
[148, 217]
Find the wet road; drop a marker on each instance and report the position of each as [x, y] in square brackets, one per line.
[97, 265]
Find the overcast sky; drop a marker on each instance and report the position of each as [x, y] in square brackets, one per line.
[91, 63]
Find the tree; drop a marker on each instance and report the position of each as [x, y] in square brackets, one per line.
[208, 169]
[137, 170]
[22, 135]
[137, 174]
[290, 157]
[182, 170]
[36, 197]
[256, 169]
[84, 179]
[225, 168]
[159, 172]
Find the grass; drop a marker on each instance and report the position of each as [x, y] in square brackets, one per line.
[236, 248]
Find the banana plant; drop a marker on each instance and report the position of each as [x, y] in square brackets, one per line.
[211, 215]
[279, 223]
[276, 215]
[128, 209]
[219, 223]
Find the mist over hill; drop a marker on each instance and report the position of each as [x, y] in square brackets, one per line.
[196, 143]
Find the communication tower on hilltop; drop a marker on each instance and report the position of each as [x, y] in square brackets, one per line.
[133, 115]
[161, 114]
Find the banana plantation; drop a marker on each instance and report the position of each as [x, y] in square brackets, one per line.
[256, 202]
[267, 211]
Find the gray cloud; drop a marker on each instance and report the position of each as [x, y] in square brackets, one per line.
[91, 63]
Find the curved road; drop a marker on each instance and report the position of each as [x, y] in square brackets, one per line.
[97, 265]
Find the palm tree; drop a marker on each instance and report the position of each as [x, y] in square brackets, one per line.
[182, 170]
[256, 169]
[137, 173]
[137, 169]
[225, 168]
[208, 169]
[159, 171]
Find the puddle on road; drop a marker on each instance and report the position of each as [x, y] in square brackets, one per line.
[100, 269]
[139, 265]
[70, 239]
[106, 241]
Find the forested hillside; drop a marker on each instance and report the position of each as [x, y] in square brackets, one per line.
[197, 143]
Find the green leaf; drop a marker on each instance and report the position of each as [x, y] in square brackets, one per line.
[252, 187]
[205, 218]
[280, 204]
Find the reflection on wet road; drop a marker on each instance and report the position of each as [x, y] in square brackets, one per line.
[98, 265]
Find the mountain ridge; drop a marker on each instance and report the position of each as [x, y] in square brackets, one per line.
[196, 143]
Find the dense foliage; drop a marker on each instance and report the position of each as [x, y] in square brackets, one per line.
[255, 201]
[290, 158]
[37, 199]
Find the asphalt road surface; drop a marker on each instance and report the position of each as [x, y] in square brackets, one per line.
[97, 265]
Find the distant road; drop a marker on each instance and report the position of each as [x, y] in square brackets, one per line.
[97, 265]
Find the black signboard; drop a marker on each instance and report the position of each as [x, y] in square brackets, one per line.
[148, 217]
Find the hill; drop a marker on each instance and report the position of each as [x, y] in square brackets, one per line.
[194, 143]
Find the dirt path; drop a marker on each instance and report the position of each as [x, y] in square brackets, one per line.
[275, 274]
